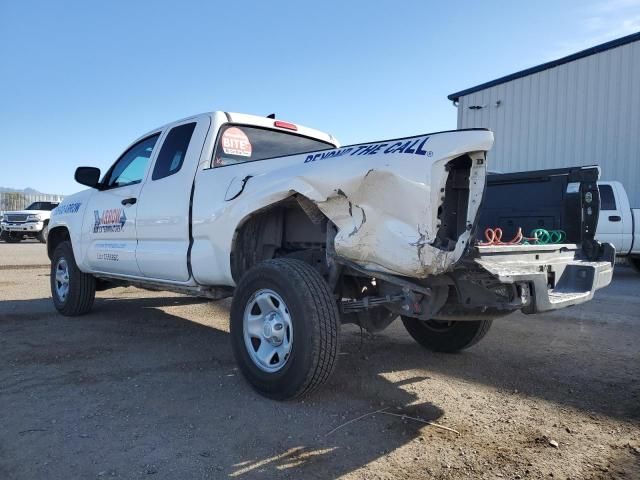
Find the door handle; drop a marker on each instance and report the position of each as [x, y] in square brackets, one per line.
[614, 218]
[129, 201]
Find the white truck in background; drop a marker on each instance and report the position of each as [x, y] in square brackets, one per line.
[619, 224]
[32, 222]
[307, 235]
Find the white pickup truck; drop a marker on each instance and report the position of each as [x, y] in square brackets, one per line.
[619, 224]
[306, 235]
[32, 222]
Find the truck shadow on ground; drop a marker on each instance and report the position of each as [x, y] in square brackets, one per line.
[137, 389]
[143, 390]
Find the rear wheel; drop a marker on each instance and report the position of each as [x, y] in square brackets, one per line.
[635, 263]
[284, 328]
[446, 336]
[73, 292]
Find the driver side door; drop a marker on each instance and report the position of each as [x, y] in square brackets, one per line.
[109, 224]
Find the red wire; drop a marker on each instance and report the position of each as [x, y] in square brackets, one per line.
[494, 237]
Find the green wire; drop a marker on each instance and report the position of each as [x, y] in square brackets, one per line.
[546, 237]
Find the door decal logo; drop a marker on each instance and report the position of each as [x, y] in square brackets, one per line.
[109, 221]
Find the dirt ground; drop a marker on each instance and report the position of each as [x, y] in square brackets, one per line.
[146, 387]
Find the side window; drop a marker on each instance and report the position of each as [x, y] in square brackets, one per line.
[607, 199]
[130, 167]
[239, 143]
[173, 151]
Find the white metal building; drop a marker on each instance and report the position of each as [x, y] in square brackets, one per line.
[583, 109]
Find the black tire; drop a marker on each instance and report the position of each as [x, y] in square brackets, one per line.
[81, 286]
[315, 323]
[635, 263]
[44, 234]
[444, 336]
[10, 237]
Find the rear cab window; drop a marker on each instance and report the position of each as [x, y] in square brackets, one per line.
[241, 143]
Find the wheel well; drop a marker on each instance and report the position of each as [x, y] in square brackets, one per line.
[293, 227]
[55, 238]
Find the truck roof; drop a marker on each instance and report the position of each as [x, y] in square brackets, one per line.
[267, 122]
[247, 119]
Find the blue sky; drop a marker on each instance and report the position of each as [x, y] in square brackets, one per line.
[79, 80]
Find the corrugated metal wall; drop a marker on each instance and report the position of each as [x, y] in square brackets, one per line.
[10, 201]
[581, 113]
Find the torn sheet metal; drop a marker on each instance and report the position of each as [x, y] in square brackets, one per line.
[387, 221]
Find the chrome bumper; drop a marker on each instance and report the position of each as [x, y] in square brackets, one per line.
[550, 278]
[24, 227]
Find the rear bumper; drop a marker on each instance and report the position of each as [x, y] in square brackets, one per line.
[549, 277]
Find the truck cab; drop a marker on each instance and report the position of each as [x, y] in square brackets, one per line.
[619, 223]
[137, 222]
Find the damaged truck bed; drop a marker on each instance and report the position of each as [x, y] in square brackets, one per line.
[306, 235]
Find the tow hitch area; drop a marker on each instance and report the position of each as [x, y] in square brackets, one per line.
[547, 277]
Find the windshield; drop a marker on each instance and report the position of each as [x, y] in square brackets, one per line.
[42, 206]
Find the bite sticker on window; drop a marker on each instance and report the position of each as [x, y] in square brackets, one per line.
[236, 142]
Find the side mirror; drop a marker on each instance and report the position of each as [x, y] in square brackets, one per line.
[89, 176]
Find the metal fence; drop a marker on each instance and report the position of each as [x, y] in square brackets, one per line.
[10, 201]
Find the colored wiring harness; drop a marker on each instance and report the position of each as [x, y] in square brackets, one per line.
[545, 237]
[539, 236]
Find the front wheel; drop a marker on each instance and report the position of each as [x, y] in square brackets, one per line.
[446, 336]
[44, 233]
[10, 237]
[284, 328]
[635, 263]
[73, 292]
